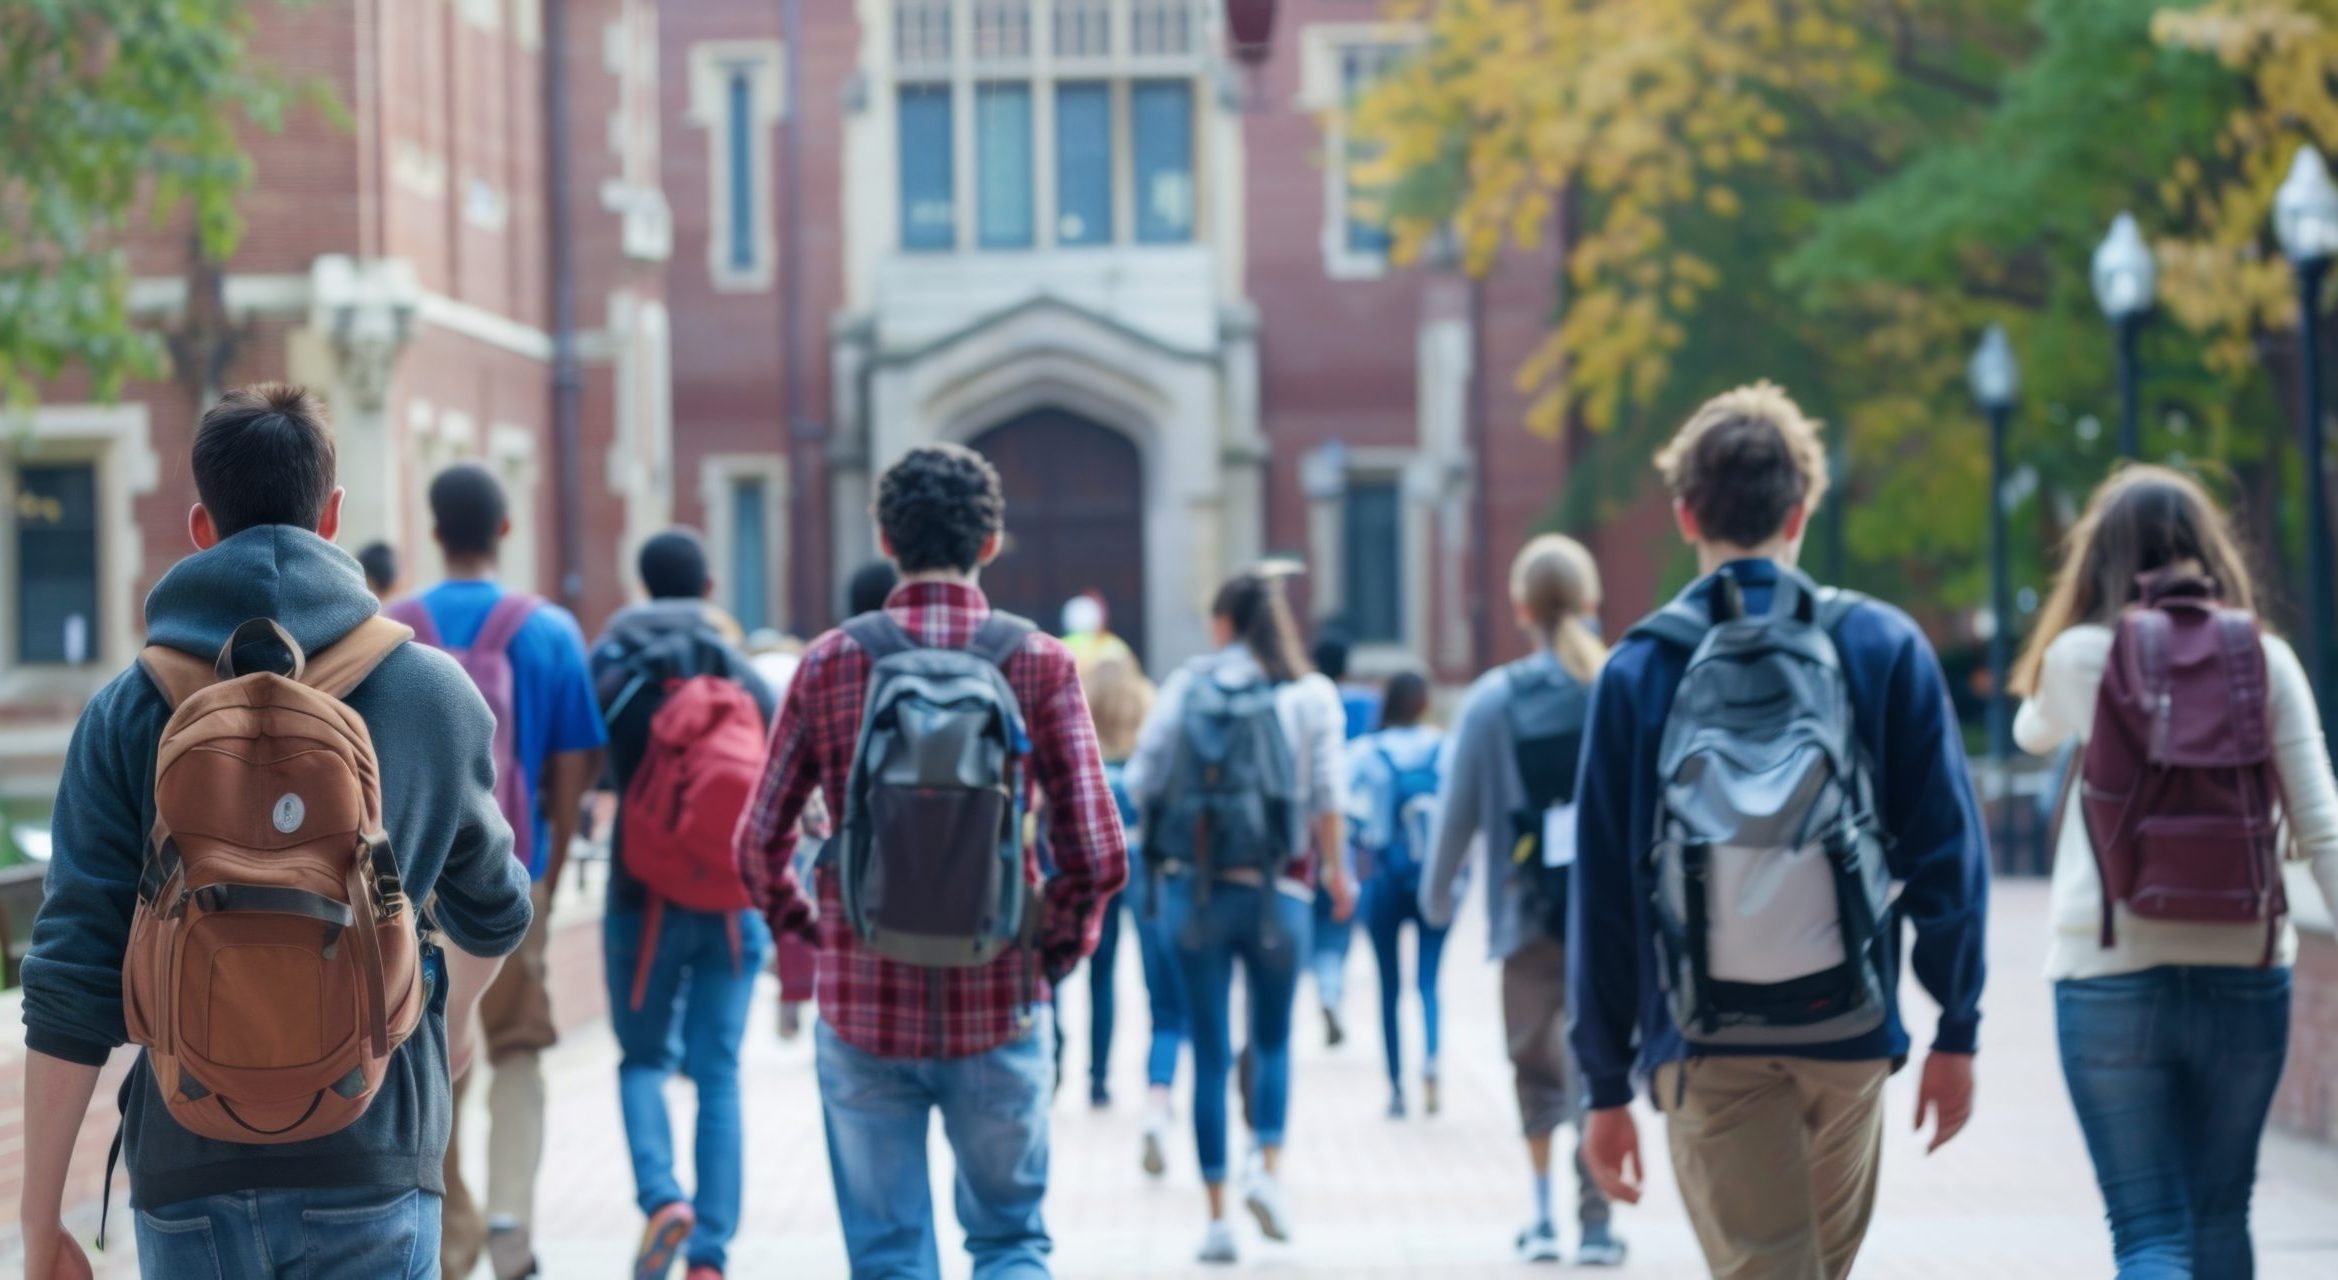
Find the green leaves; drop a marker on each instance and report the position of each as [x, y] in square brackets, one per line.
[110, 108]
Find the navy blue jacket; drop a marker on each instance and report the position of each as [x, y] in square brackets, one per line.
[1618, 1022]
[433, 735]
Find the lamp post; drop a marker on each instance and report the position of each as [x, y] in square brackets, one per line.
[2126, 280]
[2305, 220]
[1996, 377]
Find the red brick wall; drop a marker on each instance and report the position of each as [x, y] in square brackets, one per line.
[2308, 1101]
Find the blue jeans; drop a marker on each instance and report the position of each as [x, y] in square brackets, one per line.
[324, 1233]
[2172, 1072]
[692, 1017]
[1391, 901]
[1164, 985]
[1102, 1004]
[1268, 931]
[1327, 952]
[994, 1112]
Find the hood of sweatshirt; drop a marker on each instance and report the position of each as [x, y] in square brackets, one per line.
[313, 588]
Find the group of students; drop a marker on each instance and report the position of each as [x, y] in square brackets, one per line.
[285, 868]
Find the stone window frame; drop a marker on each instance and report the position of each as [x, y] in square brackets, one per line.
[1323, 50]
[715, 65]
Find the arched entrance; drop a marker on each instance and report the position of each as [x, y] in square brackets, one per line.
[1075, 519]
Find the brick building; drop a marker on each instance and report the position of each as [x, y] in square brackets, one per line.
[401, 262]
[1077, 235]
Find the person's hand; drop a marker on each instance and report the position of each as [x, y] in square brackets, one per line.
[1611, 1147]
[1946, 1092]
[1343, 896]
[53, 1254]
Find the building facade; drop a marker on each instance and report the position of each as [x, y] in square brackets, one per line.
[1078, 236]
[399, 261]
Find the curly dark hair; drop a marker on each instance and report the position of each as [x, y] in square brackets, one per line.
[937, 506]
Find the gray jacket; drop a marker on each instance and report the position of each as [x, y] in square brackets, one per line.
[1481, 789]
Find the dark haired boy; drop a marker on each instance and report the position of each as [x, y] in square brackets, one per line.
[554, 748]
[380, 562]
[264, 473]
[1776, 1144]
[897, 1041]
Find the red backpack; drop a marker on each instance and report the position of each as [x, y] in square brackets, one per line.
[2180, 796]
[698, 772]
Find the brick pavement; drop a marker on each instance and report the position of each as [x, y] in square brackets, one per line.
[1428, 1198]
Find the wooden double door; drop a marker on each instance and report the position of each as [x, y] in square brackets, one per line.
[1075, 519]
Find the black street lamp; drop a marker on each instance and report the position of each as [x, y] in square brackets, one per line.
[2126, 280]
[2305, 220]
[1996, 377]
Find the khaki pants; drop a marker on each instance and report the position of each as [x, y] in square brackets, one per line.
[515, 1016]
[1777, 1160]
[1534, 1020]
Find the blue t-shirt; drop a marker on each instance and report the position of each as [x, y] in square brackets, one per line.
[553, 708]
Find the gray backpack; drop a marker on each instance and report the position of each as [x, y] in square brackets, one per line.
[929, 861]
[1231, 802]
[1770, 883]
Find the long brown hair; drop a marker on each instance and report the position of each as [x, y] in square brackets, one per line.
[1256, 607]
[2144, 518]
[1555, 580]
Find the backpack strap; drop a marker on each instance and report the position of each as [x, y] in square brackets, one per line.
[416, 614]
[345, 664]
[876, 634]
[505, 620]
[1000, 638]
[1679, 623]
[1834, 605]
[176, 675]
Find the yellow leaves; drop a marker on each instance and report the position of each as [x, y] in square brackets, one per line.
[1723, 202]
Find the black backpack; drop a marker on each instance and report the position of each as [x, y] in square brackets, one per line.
[1231, 801]
[929, 861]
[1548, 710]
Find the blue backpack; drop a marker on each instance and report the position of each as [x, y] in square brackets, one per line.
[1412, 812]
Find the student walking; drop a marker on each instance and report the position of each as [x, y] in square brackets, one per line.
[931, 721]
[1120, 698]
[1332, 935]
[380, 562]
[2172, 939]
[268, 646]
[1509, 786]
[1764, 759]
[689, 719]
[526, 655]
[1393, 775]
[1238, 769]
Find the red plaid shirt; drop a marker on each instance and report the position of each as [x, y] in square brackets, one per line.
[882, 1006]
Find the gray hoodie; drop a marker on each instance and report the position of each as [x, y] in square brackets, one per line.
[432, 733]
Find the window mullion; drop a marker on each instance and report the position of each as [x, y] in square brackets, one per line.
[965, 177]
[1044, 197]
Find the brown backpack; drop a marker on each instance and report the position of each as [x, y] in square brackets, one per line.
[274, 962]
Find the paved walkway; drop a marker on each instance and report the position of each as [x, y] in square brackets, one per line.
[2013, 1197]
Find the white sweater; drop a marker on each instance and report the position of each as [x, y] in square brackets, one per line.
[2063, 709]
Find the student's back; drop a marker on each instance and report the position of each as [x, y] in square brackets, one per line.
[430, 732]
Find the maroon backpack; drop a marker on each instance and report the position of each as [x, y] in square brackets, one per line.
[2181, 800]
[487, 660]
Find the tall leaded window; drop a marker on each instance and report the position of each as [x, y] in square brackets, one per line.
[751, 553]
[56, 563]
[1083, 162]
[1162, 114]
[929, 218]
[1002, 119]
[1361, 66]
[739, 154]
[1372, 560]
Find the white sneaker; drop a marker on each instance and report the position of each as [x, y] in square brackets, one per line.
[1264, 1199]
[1538, 1243]
[1217, 1245]
[1156, 1159]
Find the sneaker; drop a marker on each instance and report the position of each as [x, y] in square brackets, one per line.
[1429, 1095]
[1264, 1199]
[1099, 1097]
[1601, 1247]
[1396, 1106]
[1335, 1033]
[1217, 1245]
[510, 1254]
[662, 1240]
[1156, 1158]
[1539, 1243]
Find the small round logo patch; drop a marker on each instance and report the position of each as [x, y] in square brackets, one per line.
[290, 812]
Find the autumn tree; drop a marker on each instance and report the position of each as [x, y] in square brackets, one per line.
[110, 110]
